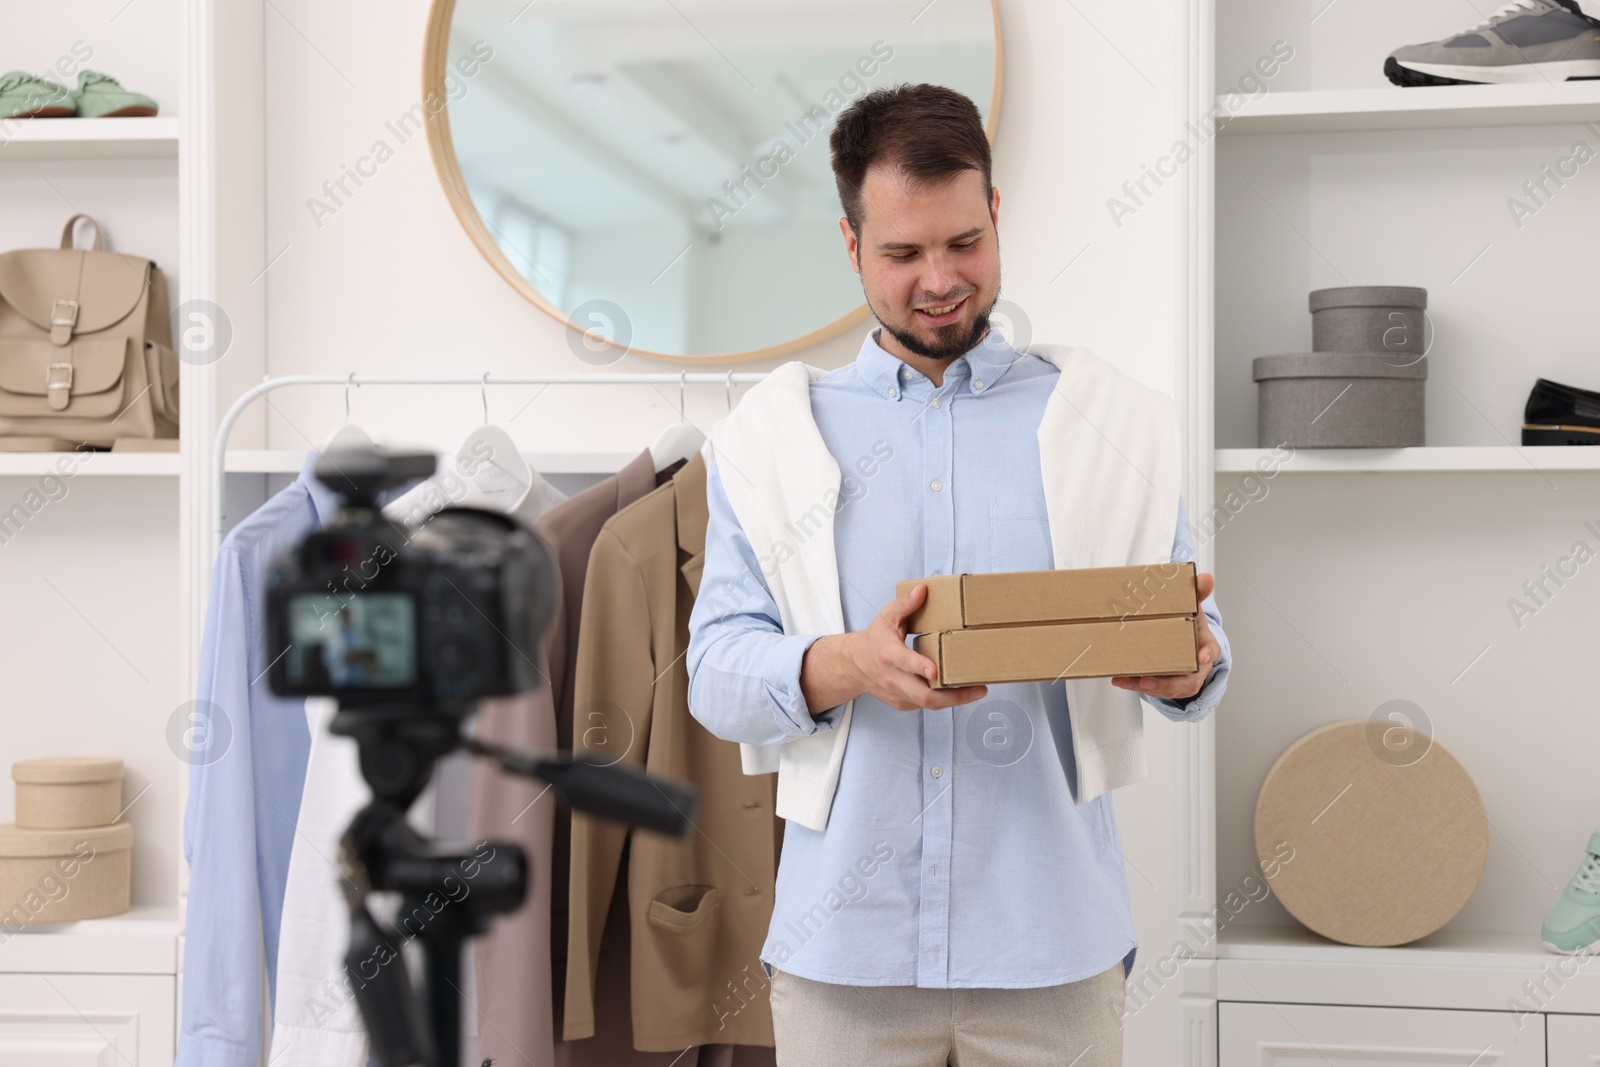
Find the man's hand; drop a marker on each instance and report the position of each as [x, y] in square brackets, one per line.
[1182, 686]
[876, 661]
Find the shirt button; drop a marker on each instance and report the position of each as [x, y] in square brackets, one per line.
[935, 401]
[937, 772]
[978, 384]
[893, 392]
[936, 485]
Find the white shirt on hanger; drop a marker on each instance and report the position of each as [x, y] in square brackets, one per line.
[316, 1021]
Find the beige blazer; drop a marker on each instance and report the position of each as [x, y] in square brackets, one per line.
[700, 905]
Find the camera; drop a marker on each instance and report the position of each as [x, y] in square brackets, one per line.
[379, 615]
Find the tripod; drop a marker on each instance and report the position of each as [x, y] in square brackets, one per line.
[454, 890]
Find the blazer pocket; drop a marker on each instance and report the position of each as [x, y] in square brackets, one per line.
[683, 931]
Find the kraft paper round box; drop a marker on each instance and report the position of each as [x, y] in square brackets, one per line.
[52, 876]
[1388, 833]
[67, 793]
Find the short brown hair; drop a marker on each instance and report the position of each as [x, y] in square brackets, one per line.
[927, 132]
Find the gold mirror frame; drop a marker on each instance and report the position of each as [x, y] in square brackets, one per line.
[435, 62]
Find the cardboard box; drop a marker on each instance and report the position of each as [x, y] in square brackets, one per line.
[957, 601]
[1030, 626]
[1048, 651]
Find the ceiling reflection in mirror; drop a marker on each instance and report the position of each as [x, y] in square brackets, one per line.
[667, 162]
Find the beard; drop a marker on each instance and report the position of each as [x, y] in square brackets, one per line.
[949, 341]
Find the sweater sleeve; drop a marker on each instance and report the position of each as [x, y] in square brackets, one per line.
[1202, 703]
[744, 671]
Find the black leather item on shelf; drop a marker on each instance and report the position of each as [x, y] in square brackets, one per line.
[1559, 414]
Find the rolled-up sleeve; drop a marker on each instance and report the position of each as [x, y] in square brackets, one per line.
[744, 671]
[1201, 704]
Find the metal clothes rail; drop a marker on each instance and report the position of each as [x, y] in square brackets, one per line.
[225, 429]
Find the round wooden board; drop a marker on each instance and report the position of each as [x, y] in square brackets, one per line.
[1389, 840]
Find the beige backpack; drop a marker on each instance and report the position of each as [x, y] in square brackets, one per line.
[85, 349]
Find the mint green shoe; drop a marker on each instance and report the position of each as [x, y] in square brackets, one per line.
[100, 96]
[1574, 923]
[26, 96]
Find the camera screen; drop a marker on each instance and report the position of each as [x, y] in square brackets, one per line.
[368, 641]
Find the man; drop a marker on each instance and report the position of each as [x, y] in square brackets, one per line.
[959, 905]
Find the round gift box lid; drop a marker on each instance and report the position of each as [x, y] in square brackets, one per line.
[1382, 296]
[1388, 832]
[66, 770]
[1338, 365]
[16, 841]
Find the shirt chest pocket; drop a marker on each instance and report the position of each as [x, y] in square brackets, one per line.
[1019, 534]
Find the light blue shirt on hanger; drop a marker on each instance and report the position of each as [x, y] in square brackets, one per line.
[955, 855]
[248, 751]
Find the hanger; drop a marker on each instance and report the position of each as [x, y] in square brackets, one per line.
[498, 475]
[678, 442]
[348, 435]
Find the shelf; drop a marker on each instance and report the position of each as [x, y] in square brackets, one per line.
[1403, 460]
[142, 940]
[1426, 108]
[1228, 460]
[122, 464]
[131, 138]
[1296, 943]
[1443, 970]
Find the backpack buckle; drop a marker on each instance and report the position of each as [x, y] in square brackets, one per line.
[63, 317]
[58, 385]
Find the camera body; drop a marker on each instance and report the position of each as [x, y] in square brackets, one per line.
[382, 616]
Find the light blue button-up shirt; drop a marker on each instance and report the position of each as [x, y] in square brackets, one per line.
[955, 854]
[248, 748]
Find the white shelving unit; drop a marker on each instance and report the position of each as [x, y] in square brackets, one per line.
[1464, 459]
[75, 138]
[1342, 593]
[1433, 108]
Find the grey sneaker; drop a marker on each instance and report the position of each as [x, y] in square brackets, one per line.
[1524, 41]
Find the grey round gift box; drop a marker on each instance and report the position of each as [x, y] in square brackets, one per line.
[1339, 400]
[1369, 318]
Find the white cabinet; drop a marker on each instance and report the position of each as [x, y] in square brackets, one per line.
[1574, 1040]
[1281, 1035]
[86, 1020]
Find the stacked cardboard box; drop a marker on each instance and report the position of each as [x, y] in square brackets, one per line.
[1032, 626]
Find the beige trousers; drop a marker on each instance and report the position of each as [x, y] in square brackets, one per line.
[820, 1024]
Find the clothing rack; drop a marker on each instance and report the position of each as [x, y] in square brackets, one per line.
[269, 384]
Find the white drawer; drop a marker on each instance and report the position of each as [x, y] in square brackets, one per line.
[1574, 1040]
[86, 1020]
[1300, 1035]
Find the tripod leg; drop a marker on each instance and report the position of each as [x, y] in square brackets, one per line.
[383, 993]
[442, 990]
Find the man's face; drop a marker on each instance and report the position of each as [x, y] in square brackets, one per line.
[925, 250]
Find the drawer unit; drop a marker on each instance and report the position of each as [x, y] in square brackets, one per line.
[86, 1020]
[1298, 1035]
[1574, 1040]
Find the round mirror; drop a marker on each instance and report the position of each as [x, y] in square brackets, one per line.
[655, 173]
